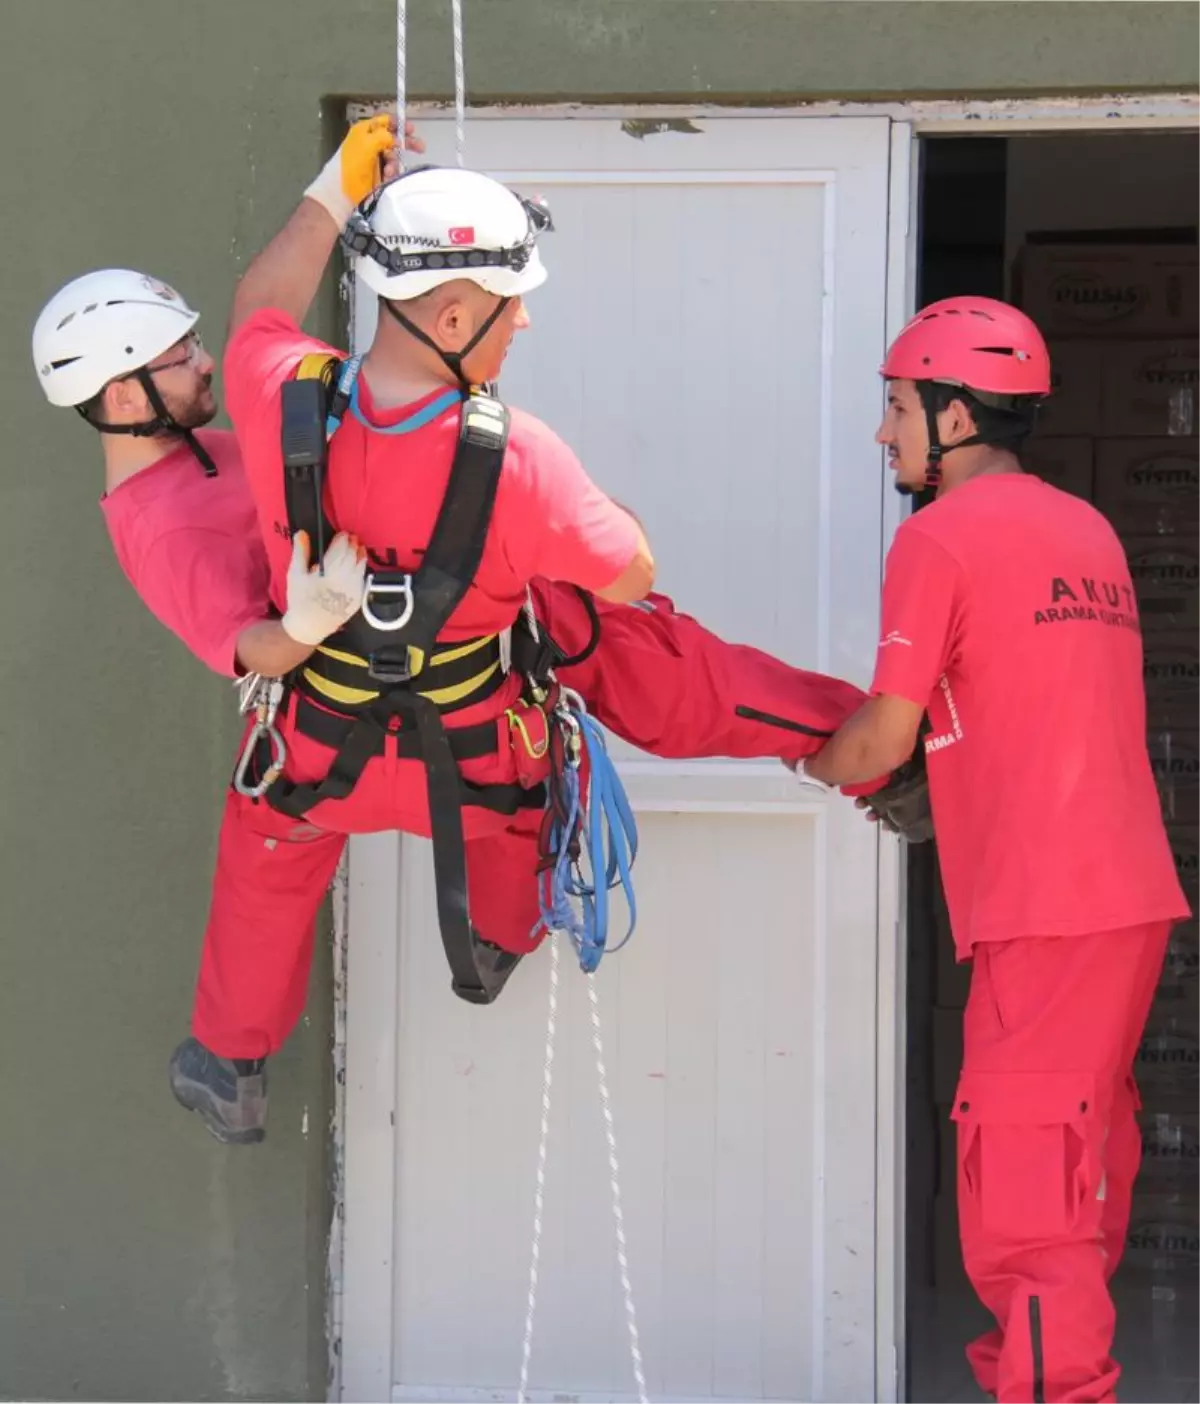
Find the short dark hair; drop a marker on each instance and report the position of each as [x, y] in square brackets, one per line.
[1004, 427]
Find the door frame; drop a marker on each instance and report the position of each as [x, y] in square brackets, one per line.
[366, 898]
[1140, 112]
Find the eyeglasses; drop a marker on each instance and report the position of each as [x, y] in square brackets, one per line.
[193, 350]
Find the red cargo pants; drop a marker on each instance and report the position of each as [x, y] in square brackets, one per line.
[1048, 1150]
[656, 678]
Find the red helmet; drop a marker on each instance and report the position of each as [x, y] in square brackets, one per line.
[975, 342]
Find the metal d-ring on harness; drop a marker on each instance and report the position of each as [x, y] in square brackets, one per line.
[388, 589]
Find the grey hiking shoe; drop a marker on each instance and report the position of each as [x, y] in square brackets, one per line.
[230, 1095]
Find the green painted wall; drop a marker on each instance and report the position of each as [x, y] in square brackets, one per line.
[141, 1260]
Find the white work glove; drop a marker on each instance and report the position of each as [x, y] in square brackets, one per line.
[320, 602]
[364, 159]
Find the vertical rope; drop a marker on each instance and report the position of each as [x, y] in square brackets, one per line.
[610, 1134]
[460, 83]
[401, 76]
[539, 1196]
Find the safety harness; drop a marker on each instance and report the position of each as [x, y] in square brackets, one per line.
[384, 675]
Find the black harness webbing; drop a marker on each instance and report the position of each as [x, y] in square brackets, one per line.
[397, 656]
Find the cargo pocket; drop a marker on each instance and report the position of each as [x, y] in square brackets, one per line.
[1027, 1156]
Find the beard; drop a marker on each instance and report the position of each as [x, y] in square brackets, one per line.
[195, 410]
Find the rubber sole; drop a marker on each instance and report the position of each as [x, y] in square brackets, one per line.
[195, 1097]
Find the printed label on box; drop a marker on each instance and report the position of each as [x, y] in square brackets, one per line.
[1171, 674]
[1170, 1147]
[1148, 487]
[1175, 761]
[1164, 1236]
[1167, 1057]
[1150, 389]
[1165, 575]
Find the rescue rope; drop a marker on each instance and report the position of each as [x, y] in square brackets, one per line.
[614, 1180]
[602, 827]
[401, 76]
[460, 83]
[614, 1168]
[539, 1194]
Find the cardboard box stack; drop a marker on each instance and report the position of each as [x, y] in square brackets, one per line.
[1122, 320]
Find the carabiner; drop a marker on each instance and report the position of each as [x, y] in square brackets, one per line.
[570, 699]
[264, 696]
[273, 771]
[268, 705]
[247, 690]
[572, 735]
[403, 588]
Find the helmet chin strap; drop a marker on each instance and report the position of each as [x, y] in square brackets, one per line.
[162, 423]
[452, 359]
[937, 450]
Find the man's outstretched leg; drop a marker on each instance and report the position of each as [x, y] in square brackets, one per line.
[660, 680]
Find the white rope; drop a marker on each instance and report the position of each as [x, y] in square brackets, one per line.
[460, 83]
[635, 1350]
[401, 75]
[539, 1197]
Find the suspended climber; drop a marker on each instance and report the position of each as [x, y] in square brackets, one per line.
[123, 349]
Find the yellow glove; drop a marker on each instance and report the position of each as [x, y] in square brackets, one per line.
[358, 165]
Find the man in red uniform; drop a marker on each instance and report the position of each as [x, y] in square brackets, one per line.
[1009, 618]
[122, 348]
[452, 254]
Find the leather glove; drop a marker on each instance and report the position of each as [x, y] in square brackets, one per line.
[902, 805]
[320, 601]
[359, 164]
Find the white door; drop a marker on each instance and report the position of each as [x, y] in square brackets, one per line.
[709, 342]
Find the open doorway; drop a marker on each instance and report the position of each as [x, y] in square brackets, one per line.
[1076, 228]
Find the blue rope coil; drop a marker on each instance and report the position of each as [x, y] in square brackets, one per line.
[590, 846]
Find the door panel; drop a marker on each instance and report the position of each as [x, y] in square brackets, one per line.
[708, 341]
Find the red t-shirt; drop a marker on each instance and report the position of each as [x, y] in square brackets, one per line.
[387, 487]
[190, 548]
[1009, 614]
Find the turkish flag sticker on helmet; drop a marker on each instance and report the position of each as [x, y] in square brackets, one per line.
[463, 235]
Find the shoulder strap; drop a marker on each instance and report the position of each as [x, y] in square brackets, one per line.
[309, 416]
[460, 532]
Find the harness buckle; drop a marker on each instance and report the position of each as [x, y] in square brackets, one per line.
[384, 586]
[391, 669]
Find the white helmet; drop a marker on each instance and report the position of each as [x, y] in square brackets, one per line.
[103, 325]
[434, 225]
